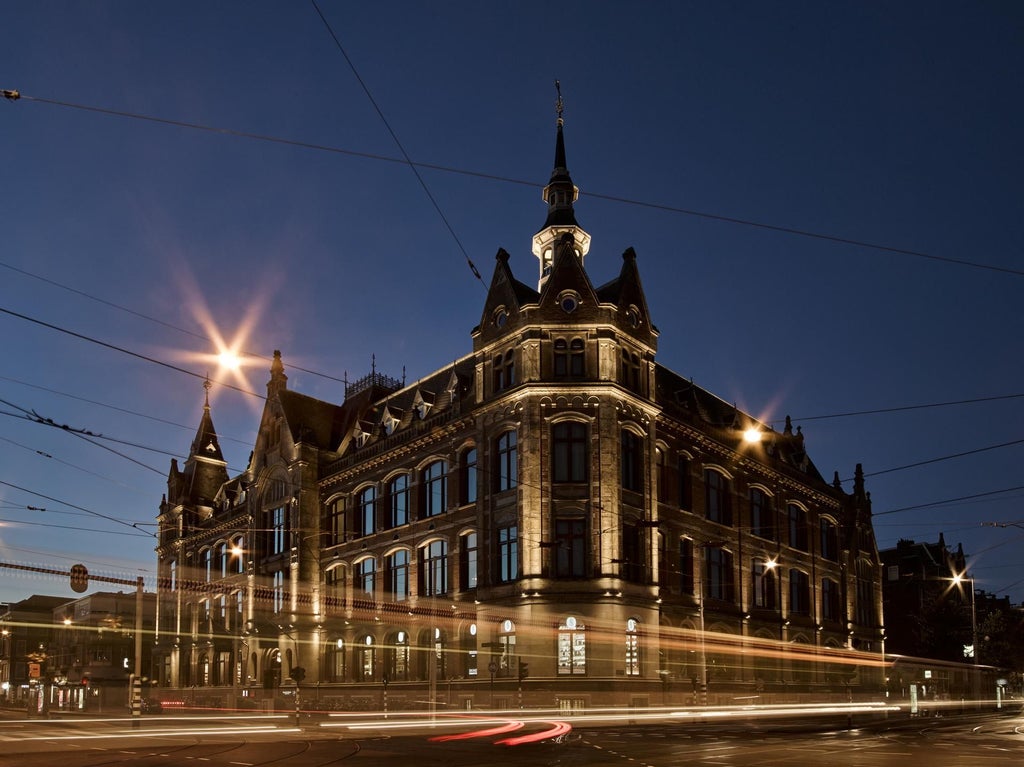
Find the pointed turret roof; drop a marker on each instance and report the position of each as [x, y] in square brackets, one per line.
[206, 443]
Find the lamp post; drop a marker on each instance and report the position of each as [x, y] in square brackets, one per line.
[701, 565]
[958, 580]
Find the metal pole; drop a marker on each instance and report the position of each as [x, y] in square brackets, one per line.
[136, 680]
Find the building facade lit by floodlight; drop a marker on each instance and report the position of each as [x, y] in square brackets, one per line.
[553, 519]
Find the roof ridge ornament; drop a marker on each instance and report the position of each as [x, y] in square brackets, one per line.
[559, 104]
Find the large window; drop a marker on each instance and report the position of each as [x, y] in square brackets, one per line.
[632, 462]
[830, 600]
[365, 504]
[434, 495]
[278, 592]
[799, 592]
[337, 521]
[632, 648]
[717, 507]
[469, 561]
[633, 559]
[866, 615]
[686, 565]
[570, 548]
[685, 483]
[762, 515]
[572, 647]
[396, 657]
[719, 576]
[398, 501]
[764, 585]
[277, 528]
[569, 451]
[467, 476]
[396, 575]
[797, 518]
[508, 554]
[365, 579]
[506, 468]
[829, 540]
[434, 569]
[569, 358]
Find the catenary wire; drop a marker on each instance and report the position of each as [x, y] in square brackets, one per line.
[505, 179]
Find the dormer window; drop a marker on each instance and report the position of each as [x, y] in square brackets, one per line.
[500, 317]
[633, 316]
[390, 423]
[360, 436]
[420, 405]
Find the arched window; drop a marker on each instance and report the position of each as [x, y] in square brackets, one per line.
[468, 561]
[397, 657]
[797, 518]
[278, 592]
[764, 582]
[632, 648]
[762, 515]
[829, 540]
[365, 503]
[720, 583]
[335, 661]
[572, 647]
[366, 659]
[467, 476]
[433, 569]
[398, 501]
[717, 505]
[507, 645]
[830, 600]
[364, 583]
[396, 575]
[434, 481]
[506, 469]
[569, 360]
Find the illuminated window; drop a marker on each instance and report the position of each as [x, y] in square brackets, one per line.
[572, 647]
[277, 529]
[366, 656]
[632, 648]
[397, 657]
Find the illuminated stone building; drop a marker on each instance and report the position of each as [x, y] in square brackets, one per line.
[551, 519]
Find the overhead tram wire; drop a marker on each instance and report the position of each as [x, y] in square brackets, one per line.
[157, 320]
[107, 517]
[401, 148]
[121, 349]
[14, 95]
[947, 501]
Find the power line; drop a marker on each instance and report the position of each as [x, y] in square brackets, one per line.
[506, 179]
[121, 349]
[948, 500]
[900, 408]
[74, 506]
[942, 458]
[401, 148]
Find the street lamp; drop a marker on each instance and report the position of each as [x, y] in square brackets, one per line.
[958, 580]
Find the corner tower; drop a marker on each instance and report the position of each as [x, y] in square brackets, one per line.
[559, 194]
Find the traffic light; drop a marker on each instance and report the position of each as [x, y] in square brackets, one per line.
[298, 673]
[524, 670]
[79, 578]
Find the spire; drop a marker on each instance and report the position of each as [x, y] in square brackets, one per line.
[206, 444]
[278, 380]
[559, 194]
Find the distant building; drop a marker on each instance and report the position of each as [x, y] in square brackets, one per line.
[554, 517]
[927, 614]
[25, 634]
[93, 650]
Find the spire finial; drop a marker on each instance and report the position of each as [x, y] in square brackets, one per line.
[207, 385]
[559, 105]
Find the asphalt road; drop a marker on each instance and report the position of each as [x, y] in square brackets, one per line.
[973, 741]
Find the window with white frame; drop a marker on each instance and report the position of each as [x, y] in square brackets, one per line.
[572, 647]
